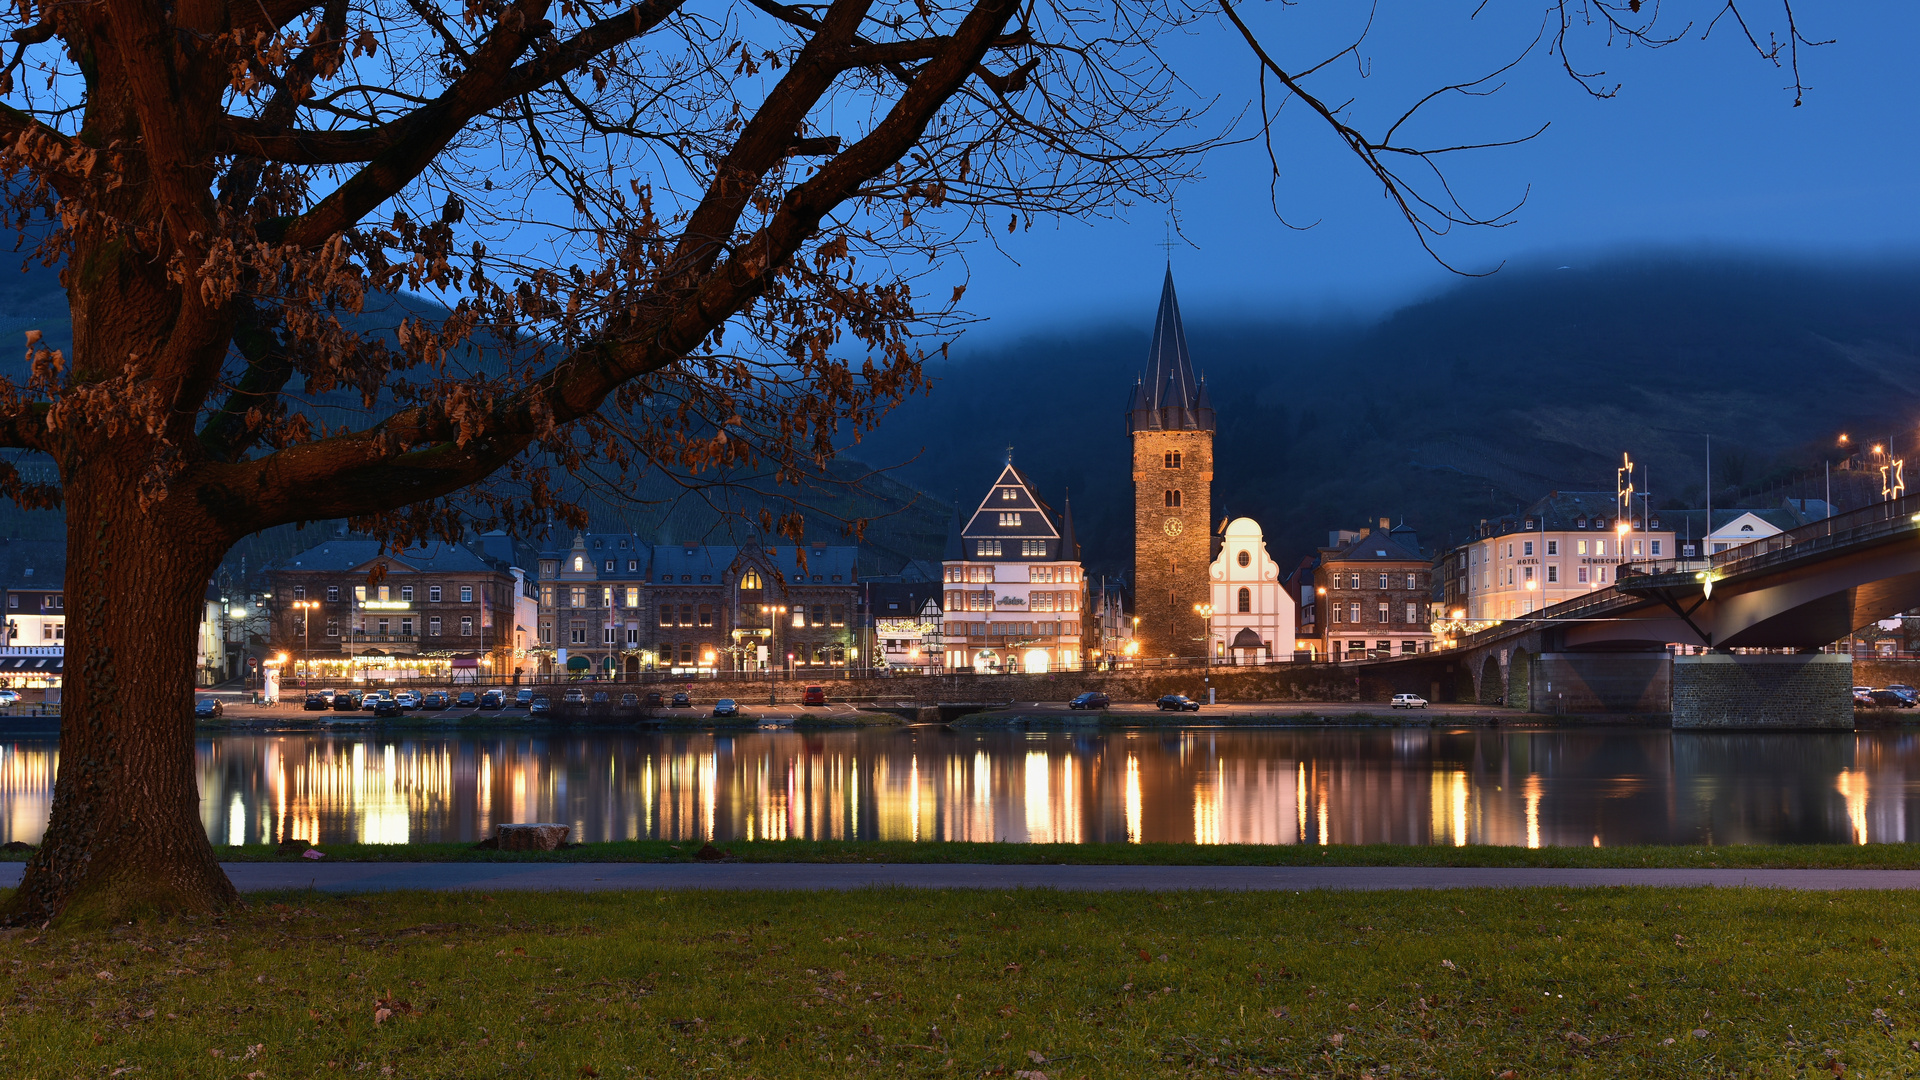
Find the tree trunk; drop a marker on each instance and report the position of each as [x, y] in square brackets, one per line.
[126, 837]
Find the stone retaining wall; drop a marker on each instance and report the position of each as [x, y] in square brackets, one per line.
[1716, 691]
[1276, 682]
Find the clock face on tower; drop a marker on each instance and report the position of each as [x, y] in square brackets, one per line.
[1173, 526]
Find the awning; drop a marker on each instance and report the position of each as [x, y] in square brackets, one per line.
[458, 662]
[1247, 639]
[578, 663]
[52, 665]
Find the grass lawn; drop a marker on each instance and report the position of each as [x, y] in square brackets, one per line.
[1784, 856]
[1499, 984]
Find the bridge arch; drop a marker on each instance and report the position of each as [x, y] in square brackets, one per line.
[1519, 679]
[1490, 680]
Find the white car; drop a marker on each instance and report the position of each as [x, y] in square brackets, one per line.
[1409, 701]
[8, 697]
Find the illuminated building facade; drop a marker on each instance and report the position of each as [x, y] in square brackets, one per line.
[1563, 546]
[1013, 588]
[1374, 590]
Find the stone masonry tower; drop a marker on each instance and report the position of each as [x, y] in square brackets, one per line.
[1171, 420]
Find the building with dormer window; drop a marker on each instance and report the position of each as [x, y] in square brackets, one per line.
[1012, 586]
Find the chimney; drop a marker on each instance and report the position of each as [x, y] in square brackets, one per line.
[1385, 525]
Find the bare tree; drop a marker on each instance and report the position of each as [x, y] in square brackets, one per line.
[664, 234]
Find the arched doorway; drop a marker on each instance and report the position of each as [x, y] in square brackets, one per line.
[985, 662]
[1035, 662]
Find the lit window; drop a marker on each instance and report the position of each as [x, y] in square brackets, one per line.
[577, 596]
[579, 563]
[466, 626]
[1579, 547]
[633, 596]
[1009, 494]
[1246, 598]
[466, 594]
[1010, 519]
[750, 580]
[1033, 548]
[989, 547]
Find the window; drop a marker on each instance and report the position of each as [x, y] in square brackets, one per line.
[466, 594]
[1010, 518]
[579, 564]
[609, 566]
[1034, 548]
[819, 614]
[837, 615]
[577, 596]
[1173, 496]
[1599, 547]
[750, 580]
[666, 614]
[633, 565]
[609, 636]
[1353, 582]
[1413, 581]
[360, 593]
[1600, 574]
[1413, 613]
[1244, 558]
[546, 633]
[799, 616]
[406, 627]
[333, 628]
[578, 633]
[1580, 575]
[1386, 611]
[1383, 581]
[606, 596]
[1526, 547]
[633, 635]
[686, 614]
[988, 547]
[1553, 547]
[433, 626]
[1509, 551]
[1637, 548]
[1579, 547]
[299, 593]
[1553, 574]
[1009, 494]
[1246, 599]
[633, 596]
[1353, 612]
[466, 626]
[1173, 459]
[1528, 573]
[406, 593]
[706, 614]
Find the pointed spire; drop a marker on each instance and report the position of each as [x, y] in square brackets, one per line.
[1171, 393]
[1069, 546]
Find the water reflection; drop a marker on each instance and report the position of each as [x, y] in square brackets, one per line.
[1412, 786]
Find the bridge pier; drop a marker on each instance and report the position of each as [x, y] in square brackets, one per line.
[1620, 683]
[1724, 691]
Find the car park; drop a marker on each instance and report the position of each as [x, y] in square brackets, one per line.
[434, 700]
[574, 696]
[467, 699]
[814, 695]
[682, 701]
[1408, 701]
[1092, 699]
[1177, 703]
[346, 701]
[207, 708]
[327, 693]
[9, 697]
[315, 703]
[373, 699]
[523, 699]
[1863, 696]
[493, 699]
[726, 706]
[385, 705]
[539, 706]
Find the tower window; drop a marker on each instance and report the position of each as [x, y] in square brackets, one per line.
[1173, 459]
[1246, 600]
[1173, 496]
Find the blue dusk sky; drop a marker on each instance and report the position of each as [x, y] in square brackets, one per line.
[1702, 149]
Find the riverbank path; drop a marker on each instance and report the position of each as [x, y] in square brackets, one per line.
[365, 877]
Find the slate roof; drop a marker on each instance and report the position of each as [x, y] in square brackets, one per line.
[1168, 397]
[46, 558]
[1036, 517]
[1375, 546]
[345, 554]
[901, 600]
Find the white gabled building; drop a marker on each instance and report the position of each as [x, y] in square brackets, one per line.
[1253, 616]
[1012, 585]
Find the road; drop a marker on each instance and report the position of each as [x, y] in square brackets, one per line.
[592, 877]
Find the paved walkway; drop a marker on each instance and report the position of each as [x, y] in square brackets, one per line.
[496, 877]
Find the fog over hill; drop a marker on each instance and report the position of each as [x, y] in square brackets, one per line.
[1460, 406]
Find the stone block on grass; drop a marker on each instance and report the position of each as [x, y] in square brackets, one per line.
[537, 836]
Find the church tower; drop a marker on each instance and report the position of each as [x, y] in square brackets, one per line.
[1171, 421]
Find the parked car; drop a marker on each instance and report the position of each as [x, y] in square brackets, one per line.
[327, 693]
[206, 708]
[574, 696]
[1177, 703]
[814, 695]
[374, 698]
[1863, 695]
[726, 707]
[1092, 699]
[315, 703]
[346, 701]
[9, 697]
[493, 699]
[1888, 697]
[1903, 688]
[385, 705]
[539, 706]
[682, 701]
[1409, 701]
[628, 701]
[523, 699]
[407, 699]
[434, 700]
[467, 699]
[600, 697]
[654, 700]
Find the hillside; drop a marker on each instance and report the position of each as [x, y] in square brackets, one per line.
[1461, 406]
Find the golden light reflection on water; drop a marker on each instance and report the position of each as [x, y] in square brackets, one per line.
[1259, 787]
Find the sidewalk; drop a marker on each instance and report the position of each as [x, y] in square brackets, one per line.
[346, 877]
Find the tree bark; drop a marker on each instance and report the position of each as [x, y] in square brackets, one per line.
[126, 837]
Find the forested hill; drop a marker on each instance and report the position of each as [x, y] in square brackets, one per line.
[1458, 407]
